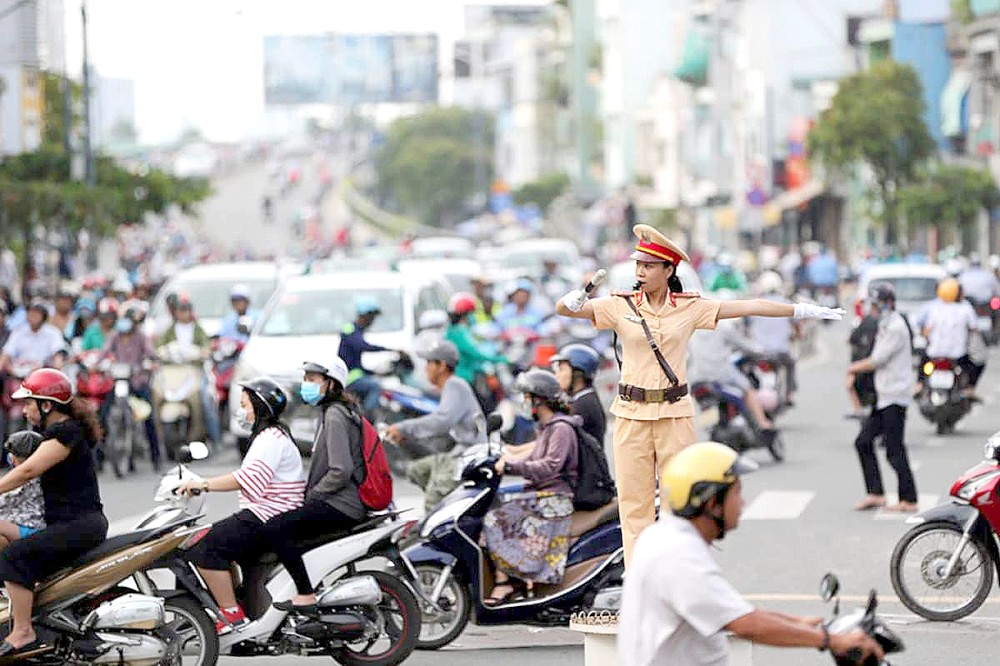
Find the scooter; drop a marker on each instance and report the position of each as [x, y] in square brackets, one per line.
[363, 617]
[942, 569]
[85, 615]
[452, 571]
[93, 381]
[941, 399]
[769, 380]
[177, 387]
[866, 620]
[735, 425]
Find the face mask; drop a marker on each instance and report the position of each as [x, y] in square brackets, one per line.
[528, 410]
[124, 325]
[243, 419]
[310, 393]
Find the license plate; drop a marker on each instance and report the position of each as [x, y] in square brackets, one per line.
[941, 380]
[985, 324]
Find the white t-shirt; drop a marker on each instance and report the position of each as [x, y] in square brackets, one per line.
[271, 478]
[949, 325]
[676, 601]
[184, 333]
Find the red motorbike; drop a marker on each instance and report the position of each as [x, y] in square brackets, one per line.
[93, 378]
[943, 568]
[225, 353]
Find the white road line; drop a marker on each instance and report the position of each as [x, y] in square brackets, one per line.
[778, 505]
[924, 502]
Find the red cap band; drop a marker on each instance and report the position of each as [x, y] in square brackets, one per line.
[660, 251]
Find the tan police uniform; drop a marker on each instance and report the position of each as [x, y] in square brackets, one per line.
[649, 428]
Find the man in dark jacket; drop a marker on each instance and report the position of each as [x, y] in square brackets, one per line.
[353, 345]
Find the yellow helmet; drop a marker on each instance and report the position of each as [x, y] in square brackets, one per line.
[698, 473]
[947, 290]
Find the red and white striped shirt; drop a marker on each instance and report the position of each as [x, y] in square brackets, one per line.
[271, 478]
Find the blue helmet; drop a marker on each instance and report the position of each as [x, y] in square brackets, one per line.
[366, 305]
[580, 357]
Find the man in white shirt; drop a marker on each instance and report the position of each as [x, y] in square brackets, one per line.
[948, 326]
[978, 283]
[676, 615]
[35, 342]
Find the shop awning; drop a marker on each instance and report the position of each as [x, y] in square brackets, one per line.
[798, 196]
[952, 102]
[693, 67]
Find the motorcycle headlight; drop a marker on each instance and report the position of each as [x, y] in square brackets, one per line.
[972, 486]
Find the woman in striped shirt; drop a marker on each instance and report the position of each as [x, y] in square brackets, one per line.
[270, 482]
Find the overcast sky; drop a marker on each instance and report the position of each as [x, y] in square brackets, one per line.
[200, 62]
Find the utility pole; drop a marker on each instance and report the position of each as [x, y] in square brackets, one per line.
[90, 174]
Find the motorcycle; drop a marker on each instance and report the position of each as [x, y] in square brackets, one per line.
[942, 569]
[86, 616]
[225, 353]
[734, 425]
[769, 380]
[866, 620]
[941, 400]
[987, 313]
[451, 568]
[121, 430]
[177, 387]
[363, 617]
[93, 381]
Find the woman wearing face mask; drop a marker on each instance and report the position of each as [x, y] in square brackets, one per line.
[131, 347]
[527, 536]
[270, 482]
[332, 501]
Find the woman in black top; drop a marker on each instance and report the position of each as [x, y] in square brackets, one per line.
[574, 366]
[74, 514]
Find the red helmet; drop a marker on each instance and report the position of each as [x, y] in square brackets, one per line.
[107, 306]
[462, 303]
[45, 384]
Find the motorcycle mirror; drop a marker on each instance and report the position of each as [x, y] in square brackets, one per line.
[184, 454]
[493, 423]
[198, 450]
[829, 587]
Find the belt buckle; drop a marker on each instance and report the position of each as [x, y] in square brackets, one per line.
[624, 393]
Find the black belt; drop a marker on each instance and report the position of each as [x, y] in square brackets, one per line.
[630, 393]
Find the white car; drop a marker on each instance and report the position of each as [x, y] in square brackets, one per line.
[208, 288]
[915, 285]
[441, 247]
[526, 257]
[458, 272]
[309, 312]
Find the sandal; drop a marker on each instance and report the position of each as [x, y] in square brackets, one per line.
[494, 600]
[902, 507]
[869, 503]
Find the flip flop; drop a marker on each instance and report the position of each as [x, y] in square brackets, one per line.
[8, 650]
[869, 504]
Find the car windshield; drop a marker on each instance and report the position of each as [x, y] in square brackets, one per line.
[211, 297]
[325, 311]
[913, 288]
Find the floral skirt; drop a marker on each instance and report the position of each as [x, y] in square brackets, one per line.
[527, 536]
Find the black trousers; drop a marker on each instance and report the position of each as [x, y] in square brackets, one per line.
[238, 538]
[312, 519]
[890, 423]
[32, 559]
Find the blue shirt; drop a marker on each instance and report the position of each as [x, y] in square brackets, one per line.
[230, 326]
[353, 345]
[509, 317]
[823, 270]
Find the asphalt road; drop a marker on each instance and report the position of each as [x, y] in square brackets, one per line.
[798, 525]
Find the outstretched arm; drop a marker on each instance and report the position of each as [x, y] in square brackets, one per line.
[755, 308]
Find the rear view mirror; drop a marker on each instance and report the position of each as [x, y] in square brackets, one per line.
[493, 423]
[829, 586]
[198, 450]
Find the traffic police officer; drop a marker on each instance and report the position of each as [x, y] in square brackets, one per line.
[654, 414]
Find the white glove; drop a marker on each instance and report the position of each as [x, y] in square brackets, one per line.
[810, 311]
[574, 300]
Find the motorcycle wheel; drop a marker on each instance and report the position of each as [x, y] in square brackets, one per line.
[401, 615]
[199, 642]
[440, 629]
[777, 447]
[118, 441]
[919, 560]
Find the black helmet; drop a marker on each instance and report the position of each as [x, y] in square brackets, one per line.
[23, 443]
[539, 383]
[269, 393]
[882, 292]
[580, 357]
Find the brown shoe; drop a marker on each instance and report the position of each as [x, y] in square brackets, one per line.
[870, 502]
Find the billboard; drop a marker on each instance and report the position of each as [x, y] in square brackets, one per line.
[350, 69]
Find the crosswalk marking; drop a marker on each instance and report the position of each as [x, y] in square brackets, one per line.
[778, 505]
[924, 502]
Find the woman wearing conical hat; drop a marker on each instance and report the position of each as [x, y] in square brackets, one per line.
[654, 416]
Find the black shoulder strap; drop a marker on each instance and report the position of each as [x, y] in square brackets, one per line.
[667, 370]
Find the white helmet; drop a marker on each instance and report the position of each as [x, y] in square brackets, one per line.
[953, 267]
[333, 367]
[239, 290]
[770, 282]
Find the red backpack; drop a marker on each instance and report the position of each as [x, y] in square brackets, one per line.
[376, 488]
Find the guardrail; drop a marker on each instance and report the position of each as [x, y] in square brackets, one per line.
[386, 222]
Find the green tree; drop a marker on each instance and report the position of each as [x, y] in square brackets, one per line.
[543, 191]
[948, 197]
[429, 162]
[876, 118]
[54, 114]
